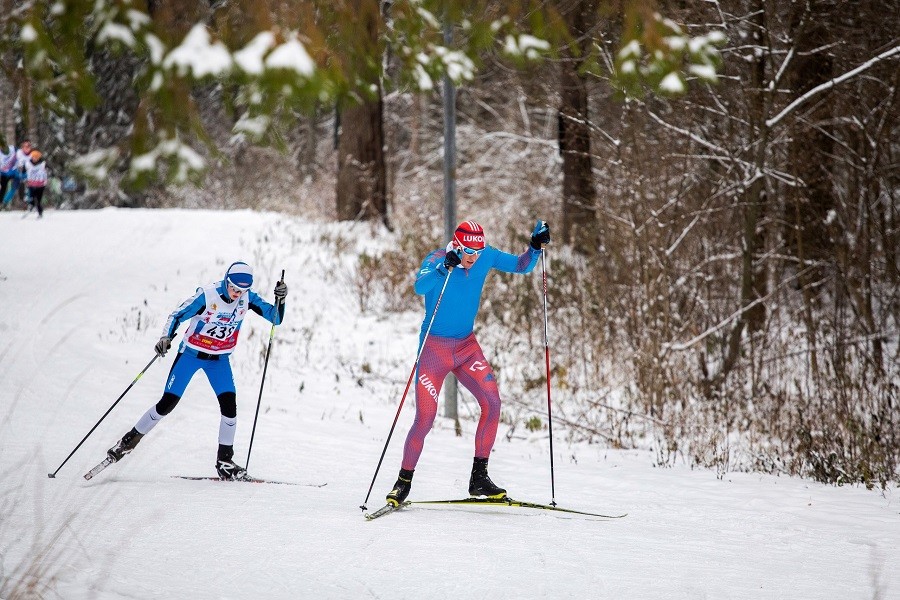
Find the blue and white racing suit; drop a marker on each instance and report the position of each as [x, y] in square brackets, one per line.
[210, 338]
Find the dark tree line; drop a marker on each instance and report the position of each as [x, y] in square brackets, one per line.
[749, 234]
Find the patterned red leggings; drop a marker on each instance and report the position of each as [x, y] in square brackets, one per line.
[466, 360]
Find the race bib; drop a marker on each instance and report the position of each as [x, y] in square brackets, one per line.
[216, 330]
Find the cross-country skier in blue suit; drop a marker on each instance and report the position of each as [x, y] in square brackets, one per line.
[216, 313]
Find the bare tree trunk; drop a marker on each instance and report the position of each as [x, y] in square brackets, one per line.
[362, 173]
[309, 143]
[362, 169]
[812, 145]
[8, 90]
[810, 158]
[755, 198]
[579, 216]
[7, 111]
[17, 122]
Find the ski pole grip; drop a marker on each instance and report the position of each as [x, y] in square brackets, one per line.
[281, 300]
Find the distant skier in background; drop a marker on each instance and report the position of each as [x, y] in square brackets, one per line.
[9, 176]
[451, 344]
[23, 155]
[216, 313]
[36, 180]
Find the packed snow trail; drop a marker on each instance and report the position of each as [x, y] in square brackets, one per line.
[85, 295]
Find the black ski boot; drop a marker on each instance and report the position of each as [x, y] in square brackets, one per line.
[397, 495]
[227, 468]
[125, 445]
[480, 484]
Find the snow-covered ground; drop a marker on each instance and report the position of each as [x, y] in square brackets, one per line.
[84, 296]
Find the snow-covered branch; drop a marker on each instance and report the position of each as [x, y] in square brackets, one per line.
[733, 316]
[686, 133]
[830, 84]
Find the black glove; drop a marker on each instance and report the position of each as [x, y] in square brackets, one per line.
[452, 259]
[163, 345]
[540, 235]
[280, 291]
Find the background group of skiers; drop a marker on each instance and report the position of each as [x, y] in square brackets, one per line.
[23, 170]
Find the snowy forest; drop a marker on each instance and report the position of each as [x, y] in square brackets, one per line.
[721, 179]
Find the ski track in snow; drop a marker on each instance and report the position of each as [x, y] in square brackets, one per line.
[72, 284]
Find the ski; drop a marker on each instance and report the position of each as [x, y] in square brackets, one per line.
[385, 510]
[250, 480]
[507, 501]
[105, 463]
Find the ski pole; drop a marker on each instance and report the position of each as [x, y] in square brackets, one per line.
[547, 357]
[408, 382]
[139, 375]
[263, 382]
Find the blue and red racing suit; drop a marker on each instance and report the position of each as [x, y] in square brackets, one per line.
[451, 345]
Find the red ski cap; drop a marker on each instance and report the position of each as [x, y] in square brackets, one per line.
[469, 234]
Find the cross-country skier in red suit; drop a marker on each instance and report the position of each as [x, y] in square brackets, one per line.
[451, 345]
